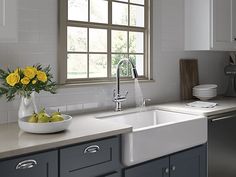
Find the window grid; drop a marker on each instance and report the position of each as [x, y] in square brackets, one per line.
[109, 27]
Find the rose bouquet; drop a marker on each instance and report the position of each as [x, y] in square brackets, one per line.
[24, 81]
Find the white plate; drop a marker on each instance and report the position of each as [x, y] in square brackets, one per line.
[42, 128]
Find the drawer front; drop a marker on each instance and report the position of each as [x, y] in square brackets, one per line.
[38, 165]
[115, 174]
[90, 159]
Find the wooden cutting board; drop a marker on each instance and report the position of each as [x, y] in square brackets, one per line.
[188, 77]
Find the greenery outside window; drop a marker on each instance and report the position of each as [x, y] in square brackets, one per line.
[94, 35]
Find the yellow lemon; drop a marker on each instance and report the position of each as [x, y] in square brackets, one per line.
[41, 76]
[30, 72]
[12, 79]
[25, 80]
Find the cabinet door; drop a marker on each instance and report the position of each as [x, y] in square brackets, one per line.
[8, 21]
[190, 163]
[156, 168]
[39, 165]
[221, 29]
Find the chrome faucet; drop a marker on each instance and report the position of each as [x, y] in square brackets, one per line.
[117, 97]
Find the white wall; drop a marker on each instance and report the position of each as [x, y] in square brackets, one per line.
[38, 44]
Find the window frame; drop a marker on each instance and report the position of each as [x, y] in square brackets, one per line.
[62, 42]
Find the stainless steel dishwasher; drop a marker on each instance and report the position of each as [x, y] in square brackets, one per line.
[222, 145]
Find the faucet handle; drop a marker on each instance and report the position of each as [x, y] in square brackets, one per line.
[146, 100]
[126, 93]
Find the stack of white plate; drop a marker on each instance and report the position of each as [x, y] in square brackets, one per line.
[205, 92]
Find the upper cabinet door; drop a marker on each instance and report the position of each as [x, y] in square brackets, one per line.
[210, 25]
[8, 21]
[222, 25]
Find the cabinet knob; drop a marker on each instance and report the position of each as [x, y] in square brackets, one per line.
[167, 170]
[234, 38]
[26, 164]
[173, 168]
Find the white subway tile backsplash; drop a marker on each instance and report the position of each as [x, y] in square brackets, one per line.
[26, 36]
[3, 117]
[74, 108]
[12, 116]
[52, 109]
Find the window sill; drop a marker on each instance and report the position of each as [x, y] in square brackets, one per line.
[71, 85]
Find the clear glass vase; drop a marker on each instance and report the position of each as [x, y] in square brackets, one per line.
[27, 106]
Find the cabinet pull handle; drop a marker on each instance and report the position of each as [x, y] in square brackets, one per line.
[223, 118]
[3, 12]
[173, 168]
[26, 164]
[92, 149]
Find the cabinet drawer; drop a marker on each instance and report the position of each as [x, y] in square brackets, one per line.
[39, 165]
[90, 159]
[115, 174]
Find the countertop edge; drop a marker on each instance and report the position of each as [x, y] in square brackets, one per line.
[61, 144]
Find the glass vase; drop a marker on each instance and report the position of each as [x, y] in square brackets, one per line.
[27, 106]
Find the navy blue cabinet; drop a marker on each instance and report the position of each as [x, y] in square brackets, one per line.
[101, 158]
[189, 163]
[38, 165]
[155, 168]
[90, 159]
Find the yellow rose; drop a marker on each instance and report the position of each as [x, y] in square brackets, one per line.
[12, 79]
[30, 72]
[34, 81]
[25, 80]
[41, 76]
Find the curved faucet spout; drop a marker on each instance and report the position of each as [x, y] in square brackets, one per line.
[117, 98]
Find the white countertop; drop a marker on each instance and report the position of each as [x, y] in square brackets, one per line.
[224, 104]
[83, 128]
[86, 127]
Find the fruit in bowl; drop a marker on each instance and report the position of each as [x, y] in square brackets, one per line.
[43, 117]
[45, 123]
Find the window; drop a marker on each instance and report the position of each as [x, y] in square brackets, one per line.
[94, 35]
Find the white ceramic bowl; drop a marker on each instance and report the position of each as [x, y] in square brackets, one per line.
[205, 87]
[43, 128]
[205, 92]
[204, 98]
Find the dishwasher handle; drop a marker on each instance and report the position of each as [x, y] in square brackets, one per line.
[223, 118]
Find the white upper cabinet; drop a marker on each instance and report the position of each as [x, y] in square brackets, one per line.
[210, 25]
[8, 21]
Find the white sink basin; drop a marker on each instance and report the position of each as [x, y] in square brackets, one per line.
[158, 133]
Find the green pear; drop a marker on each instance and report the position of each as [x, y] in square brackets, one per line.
[43, 115]
[56, 113]
[56, 118]
[33, 118]
[43, 118]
